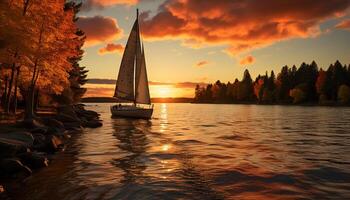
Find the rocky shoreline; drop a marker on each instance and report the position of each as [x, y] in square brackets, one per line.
[27, 145]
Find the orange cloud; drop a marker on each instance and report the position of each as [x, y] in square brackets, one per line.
[344, 24]
[242, 25]
[247, 60]
[99, 29]
[111, 48]
[100, 4]
[201, 64]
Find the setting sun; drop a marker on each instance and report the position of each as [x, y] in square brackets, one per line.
[162, 91]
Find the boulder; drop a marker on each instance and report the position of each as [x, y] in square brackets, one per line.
[67, 118]
[87, 114]
[53, 143]
[92, 124]
[11, 166]
[32, 123]
[41, 130]
[9, 147]
[39, 141]
[25, 137]
[72, 125]
[34, 160]
[53, 123]
[67, 110]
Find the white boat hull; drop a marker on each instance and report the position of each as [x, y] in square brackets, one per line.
[131, 111]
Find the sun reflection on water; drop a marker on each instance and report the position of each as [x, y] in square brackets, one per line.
[163, 118]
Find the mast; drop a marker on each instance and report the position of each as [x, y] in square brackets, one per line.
[137, 56]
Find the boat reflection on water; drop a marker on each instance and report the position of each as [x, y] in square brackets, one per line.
[133, 142]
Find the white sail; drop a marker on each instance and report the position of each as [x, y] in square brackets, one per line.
[142, 86]
[125, 84]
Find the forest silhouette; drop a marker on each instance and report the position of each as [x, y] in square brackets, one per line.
[304, 85]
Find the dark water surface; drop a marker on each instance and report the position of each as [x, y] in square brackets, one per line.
[204, 152]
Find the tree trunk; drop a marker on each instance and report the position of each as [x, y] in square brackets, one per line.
[8, 97]
[36, 100]
[29, 104]
[29, 112]
[15, 94]
[3, 98]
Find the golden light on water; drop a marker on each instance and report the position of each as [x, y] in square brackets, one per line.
[166, 147]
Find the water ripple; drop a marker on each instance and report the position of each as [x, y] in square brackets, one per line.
[204, 152]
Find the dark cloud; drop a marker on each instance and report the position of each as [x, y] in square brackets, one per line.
[201, 63]
[99, 29]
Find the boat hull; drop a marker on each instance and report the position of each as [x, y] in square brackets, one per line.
[131, 112]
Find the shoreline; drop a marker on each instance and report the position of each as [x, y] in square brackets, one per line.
[26, 146]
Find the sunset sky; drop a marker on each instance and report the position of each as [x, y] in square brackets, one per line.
[196, 41]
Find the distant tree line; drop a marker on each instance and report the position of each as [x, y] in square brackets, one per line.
[40, 50]
[306, 84]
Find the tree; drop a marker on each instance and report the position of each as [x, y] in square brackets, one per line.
[245, 90]
[284, 84]
[40, 37]
[298, 95]
[344, 94]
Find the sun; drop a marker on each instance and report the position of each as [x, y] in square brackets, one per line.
[162, 91]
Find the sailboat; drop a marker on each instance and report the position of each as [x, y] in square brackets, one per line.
[132, 83]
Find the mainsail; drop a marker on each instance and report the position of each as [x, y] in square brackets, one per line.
[125, 83]
[142, 92]
[132, 83]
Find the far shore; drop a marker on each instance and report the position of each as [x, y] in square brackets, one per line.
[154, 100]
[191, 100]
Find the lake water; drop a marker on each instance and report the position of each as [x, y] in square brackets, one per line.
[190, 151]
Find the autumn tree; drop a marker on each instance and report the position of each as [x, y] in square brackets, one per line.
[45, 37]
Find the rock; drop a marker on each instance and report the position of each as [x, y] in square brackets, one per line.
[53, 143]
[11, 166]
[53, 123]
[9, 147]
[67, 110]
[39, 141]
[74, 130]
[72, 125]
[41, 130]
[92, 124]
[25, 137]
[34, 160]
[67, 118]
[88, 115]
[32, 124]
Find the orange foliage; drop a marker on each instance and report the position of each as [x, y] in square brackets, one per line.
[44, 38]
